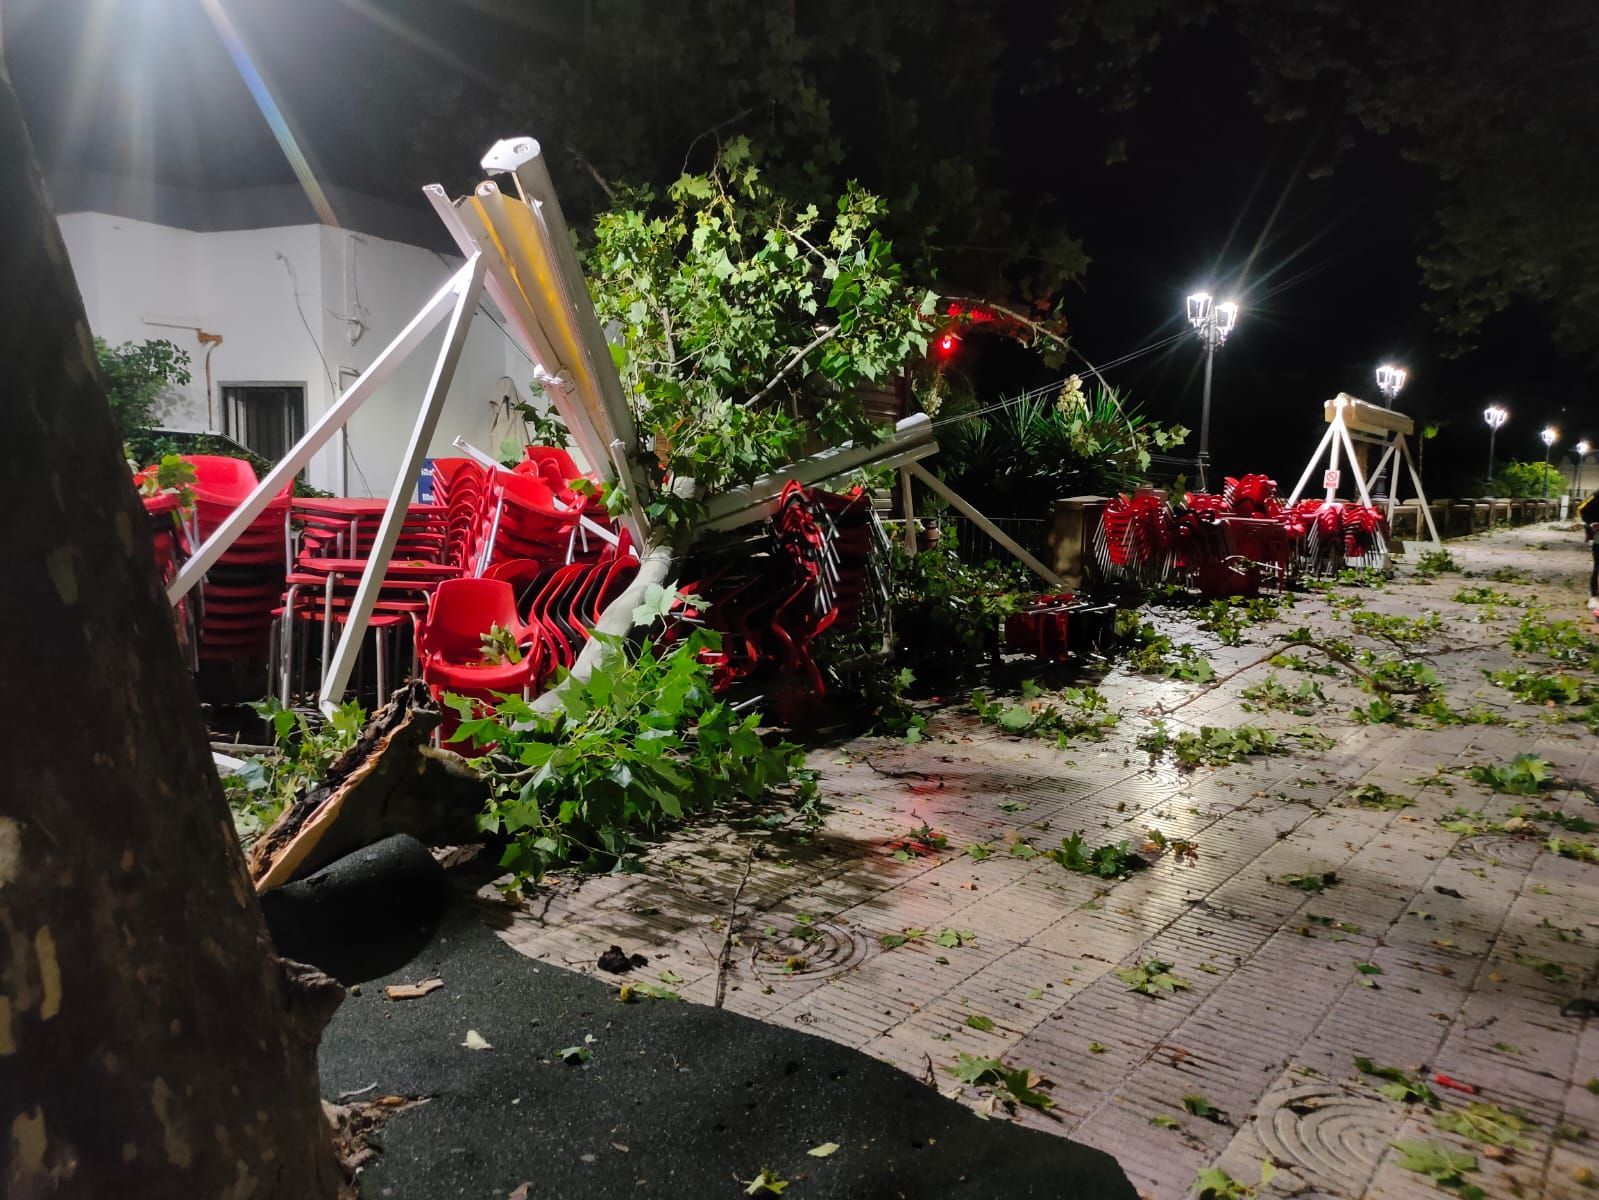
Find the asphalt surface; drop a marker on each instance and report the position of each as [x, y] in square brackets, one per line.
[674, 1099]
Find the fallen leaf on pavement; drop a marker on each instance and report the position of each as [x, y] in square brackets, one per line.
[412, 991]
[822, 1151]
[476, 1041]
[521, 1192]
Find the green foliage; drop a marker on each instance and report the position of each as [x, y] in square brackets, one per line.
[1072, 713]
[1150, 652]
[1153, 977]
[947, 613]
[1303, 701]
[1525, 775]
[1527, 480]
[171, 475]
[1212, 745]
[1038, 447]
[1108, 861]
[499, 647]
[1541, 687]
[303, 750]
[1434, 563]
[1228, 618]
[1314, 881]
[748, 322]
[1486, 595]
[1298, 662]
[1369, 795]
[1397, 630]
[1445, 1167]
[138, 376]
[1378, 712]
[1397, 1085]
[1216, 1184]
[1487, 1124]
[1569, 848]
[1362, 577]
[1011, 1086]
[641, 743]
[1563, 641]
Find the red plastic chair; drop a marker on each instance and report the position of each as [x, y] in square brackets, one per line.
[451, 645]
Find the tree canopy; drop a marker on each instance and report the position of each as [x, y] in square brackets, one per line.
[1499, 108]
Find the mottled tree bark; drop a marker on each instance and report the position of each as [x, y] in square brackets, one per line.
[151, 1045]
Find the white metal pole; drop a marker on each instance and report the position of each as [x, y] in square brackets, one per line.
[1315, 458]
[1354, 461]
[907, 504]
[316, 437]
[469, 290]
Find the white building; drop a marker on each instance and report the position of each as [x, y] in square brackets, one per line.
[279, 314]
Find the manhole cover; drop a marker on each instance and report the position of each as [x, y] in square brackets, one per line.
[1331, 1138]
[1492, 847]
[817, 950]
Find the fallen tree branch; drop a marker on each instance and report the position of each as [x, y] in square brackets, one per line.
[393, 780]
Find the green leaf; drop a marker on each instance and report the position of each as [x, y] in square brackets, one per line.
[979, 1022]
[825, 1150]
[1165, 1122]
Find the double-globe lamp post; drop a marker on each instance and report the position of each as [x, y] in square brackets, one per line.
[1496, 415]
[1390, 382]
[1212, 322]
[1549, 437]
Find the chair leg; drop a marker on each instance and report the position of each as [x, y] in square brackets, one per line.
[382, 673]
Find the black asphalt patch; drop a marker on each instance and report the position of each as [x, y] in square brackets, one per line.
[675, 1099]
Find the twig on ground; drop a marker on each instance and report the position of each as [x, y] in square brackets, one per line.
[726, 955]
[1160, 710]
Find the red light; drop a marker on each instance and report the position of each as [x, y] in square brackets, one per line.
[946, 344]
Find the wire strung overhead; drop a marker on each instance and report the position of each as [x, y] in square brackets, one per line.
[1096, 369]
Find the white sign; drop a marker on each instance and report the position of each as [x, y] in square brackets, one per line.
[1329, 479]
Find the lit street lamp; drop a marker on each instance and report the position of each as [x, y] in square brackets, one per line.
[1549, 436]
[1390, 382]
[1582, 449]
[1212, 322]
[1496, 415]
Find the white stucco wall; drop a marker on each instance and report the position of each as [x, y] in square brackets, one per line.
[354, 291]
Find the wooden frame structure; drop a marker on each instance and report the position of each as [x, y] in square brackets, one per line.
[1350, 420]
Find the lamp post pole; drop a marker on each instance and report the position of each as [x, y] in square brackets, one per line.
[1582, 449]
[1212, 322]
[1549, 436]
[1496, 415]
[1390, 382]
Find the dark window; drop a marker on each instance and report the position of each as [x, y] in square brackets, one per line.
[266, 417]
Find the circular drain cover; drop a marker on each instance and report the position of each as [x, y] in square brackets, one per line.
[1331, 1138]
[1492, 847]
[818, 950]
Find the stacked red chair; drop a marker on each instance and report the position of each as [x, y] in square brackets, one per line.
[170, 541]
[241, 591]
[815, 568]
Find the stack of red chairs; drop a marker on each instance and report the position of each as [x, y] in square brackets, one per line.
[812, 570]
[240, 592]
[459, 486]
[170, 540]
[1233, 543]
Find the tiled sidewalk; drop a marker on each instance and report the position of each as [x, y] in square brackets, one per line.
[1479, 939]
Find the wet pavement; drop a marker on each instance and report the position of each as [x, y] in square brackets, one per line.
[1440, 951]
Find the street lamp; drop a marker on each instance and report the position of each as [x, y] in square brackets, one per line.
[1496, 415]
[1549, 437]
[1582, 449]
[1390, 382]
[1212, 322]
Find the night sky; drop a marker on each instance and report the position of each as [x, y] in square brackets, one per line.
[1210, 195]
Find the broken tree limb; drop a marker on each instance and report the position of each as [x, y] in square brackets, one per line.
[393, 780]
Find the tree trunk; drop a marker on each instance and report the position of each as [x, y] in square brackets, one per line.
[151, 1045]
